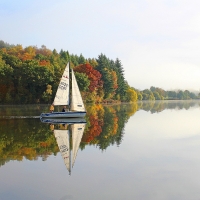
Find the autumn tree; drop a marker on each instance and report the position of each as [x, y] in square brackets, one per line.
[94, 77]
[131, 95]
[6, 84]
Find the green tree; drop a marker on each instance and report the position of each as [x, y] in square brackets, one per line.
[172, 95]
[47, 95]
[139, 95]
[6, 84]
[157, 96]
[193, 95]
[74, 59]
[147, 95]
[81, 60]
[105, 69]
[180, 95]
[122, 86]
[83, 81]
[34, 79]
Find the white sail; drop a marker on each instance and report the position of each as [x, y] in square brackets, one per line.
[77, 133]
[63, 141]
[62, 95]
[77, 102]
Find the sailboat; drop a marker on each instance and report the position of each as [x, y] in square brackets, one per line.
[75, 103]
[63, 141]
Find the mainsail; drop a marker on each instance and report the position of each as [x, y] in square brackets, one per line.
[63, 141]
[77, 133]
[77, 102]
[62, 95]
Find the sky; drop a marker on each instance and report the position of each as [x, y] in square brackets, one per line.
[157, 41]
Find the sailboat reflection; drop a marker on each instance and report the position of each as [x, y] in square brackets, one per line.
[63, 140]
[64, 130]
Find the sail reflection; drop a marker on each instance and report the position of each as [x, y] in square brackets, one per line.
[66, 130]
[63, 138]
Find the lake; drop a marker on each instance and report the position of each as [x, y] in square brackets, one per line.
[142, 151]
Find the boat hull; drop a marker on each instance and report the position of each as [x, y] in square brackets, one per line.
[63, 120]
[63, 115]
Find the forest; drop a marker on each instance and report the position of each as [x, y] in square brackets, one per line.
[31, 75]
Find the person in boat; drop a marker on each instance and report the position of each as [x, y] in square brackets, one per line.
[64, 109]
[63, 126]
[52, 127]
[51, 108]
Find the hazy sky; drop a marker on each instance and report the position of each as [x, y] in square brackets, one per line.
[157, 41]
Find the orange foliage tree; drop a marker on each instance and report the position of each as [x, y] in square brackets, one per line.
[44, 63]
[93, 75]
[94, 130]
[96, 123]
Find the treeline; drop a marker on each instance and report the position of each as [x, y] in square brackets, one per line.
[32, 75]
[155, 93]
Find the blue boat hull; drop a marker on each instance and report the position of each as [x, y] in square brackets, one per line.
[63, 115]
[63, 120]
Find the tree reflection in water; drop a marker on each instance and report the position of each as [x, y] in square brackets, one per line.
[31, 139]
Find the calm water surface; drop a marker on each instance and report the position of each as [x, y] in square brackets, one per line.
[144, 151]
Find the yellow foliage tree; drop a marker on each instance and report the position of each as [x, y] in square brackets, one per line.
[131, 95]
